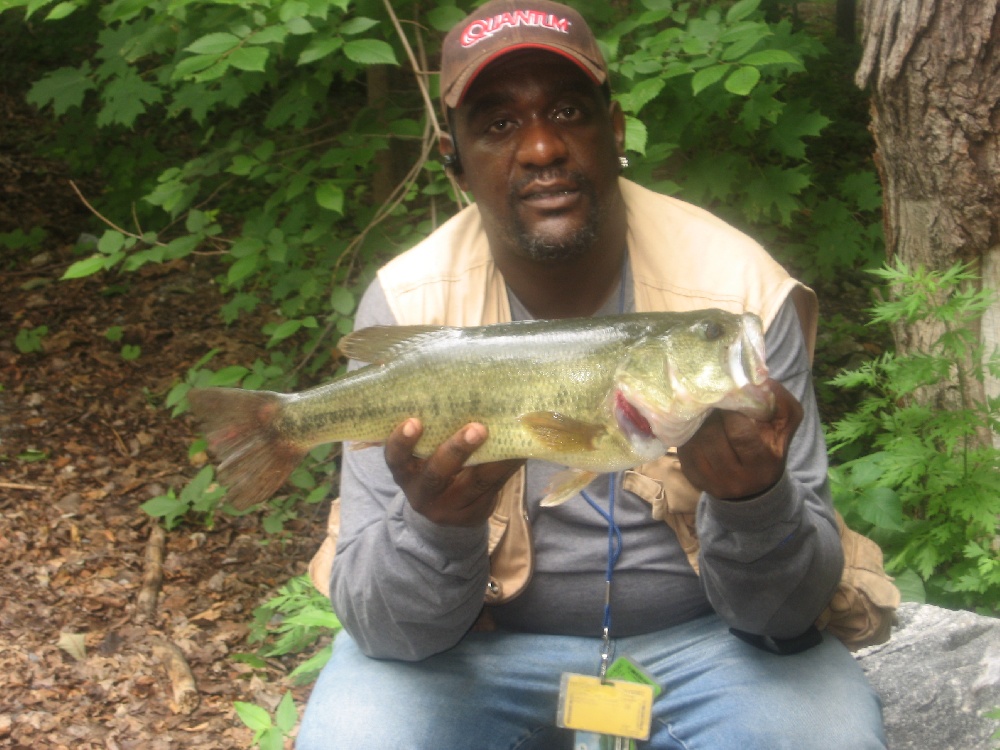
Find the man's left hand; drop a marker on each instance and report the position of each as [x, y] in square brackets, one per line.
[734, 457]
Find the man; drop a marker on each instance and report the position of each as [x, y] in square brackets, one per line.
[734, 531]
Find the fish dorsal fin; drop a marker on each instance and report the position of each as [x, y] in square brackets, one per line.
[561, 433]
[381, 344]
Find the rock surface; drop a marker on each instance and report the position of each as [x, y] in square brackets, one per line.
[937, 675]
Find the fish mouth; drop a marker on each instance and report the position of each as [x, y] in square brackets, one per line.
[630, 419]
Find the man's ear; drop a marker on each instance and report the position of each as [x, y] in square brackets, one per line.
[449, 155]
[618, 125]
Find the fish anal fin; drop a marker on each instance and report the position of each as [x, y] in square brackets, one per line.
[566, 484]
[381, 344]
[561, 433]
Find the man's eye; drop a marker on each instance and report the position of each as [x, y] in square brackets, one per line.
[499, 126]
[568, 114]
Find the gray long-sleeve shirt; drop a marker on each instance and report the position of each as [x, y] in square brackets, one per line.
[406, 588]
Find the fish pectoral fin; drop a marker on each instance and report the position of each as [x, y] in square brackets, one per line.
[561, 433]
[360, 445]
[565, 484]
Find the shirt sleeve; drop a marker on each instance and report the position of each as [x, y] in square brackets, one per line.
[770, 564]
[403, 587]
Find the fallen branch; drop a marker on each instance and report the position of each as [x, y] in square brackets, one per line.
[18, 486]
[185, 692]
[152, 577]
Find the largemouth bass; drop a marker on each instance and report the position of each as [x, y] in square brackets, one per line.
[594, 394]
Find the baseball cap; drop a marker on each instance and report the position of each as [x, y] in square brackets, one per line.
[503, 26]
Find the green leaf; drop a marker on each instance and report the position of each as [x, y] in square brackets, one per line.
[636, 135]
[60, 11]
[286, 716]
[284, 330]
[707, 76]
[443, 17]
[771, 57]
[881, 507]
[252, 59]
[271, 739]
[318, 49]
[228, 376]
[642, 93]
[330, 196]
[742, 80]
[86, 267]
[215, 43]
[255, 717]
[741, 10]
[63, 88]
[111, 242]
[163, 506]
[299, 26]
[125, 98]
[370, 52]
[911, 586]
[242, 268]
[342, 300]
[290, 9]
[357, 25]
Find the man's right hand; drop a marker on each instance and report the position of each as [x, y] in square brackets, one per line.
[440, 487]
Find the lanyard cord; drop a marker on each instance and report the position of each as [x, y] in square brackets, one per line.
[614, 552]
[615, 542]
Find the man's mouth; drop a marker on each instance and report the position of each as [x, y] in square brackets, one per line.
[550, 197]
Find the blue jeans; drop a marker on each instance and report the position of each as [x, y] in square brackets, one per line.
[498, 691]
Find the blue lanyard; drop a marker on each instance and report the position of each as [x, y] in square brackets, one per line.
[614, 552]
[615, 542]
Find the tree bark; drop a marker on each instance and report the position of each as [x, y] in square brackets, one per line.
[933, 69]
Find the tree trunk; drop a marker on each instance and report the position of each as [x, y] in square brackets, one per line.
[933, 68]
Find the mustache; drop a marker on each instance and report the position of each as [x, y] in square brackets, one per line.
[550, 174]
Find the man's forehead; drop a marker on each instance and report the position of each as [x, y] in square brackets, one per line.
[503, 78]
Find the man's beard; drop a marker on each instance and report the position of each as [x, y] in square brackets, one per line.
[547, 249]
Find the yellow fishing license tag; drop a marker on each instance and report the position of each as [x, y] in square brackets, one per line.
[615, 707]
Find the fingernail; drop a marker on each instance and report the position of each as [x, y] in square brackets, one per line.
[409, 428]
[472, 436]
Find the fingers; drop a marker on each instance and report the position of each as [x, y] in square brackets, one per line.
[733, 456]
[441, 487]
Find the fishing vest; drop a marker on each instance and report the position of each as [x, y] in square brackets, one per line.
[681, 258]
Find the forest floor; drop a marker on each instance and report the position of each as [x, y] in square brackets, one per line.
[85, 440]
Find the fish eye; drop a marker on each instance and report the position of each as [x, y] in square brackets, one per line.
[710, 330]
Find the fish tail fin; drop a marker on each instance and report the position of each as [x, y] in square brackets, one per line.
[254, 457]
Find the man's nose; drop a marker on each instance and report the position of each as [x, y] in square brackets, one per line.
[540, 144]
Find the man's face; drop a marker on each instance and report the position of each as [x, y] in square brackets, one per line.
[539, 148]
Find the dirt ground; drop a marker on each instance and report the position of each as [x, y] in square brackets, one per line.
[84, 441]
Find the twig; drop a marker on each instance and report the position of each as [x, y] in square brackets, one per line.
[101, 216]
[18, 486]
[152, 577]
[185, 690]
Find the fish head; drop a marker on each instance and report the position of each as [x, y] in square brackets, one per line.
[672, 377]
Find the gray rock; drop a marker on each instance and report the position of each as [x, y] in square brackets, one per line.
[937, 675]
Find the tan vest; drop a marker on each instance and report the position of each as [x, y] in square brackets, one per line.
[681, 258]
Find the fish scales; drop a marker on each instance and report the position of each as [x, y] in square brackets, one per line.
[490, 381]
